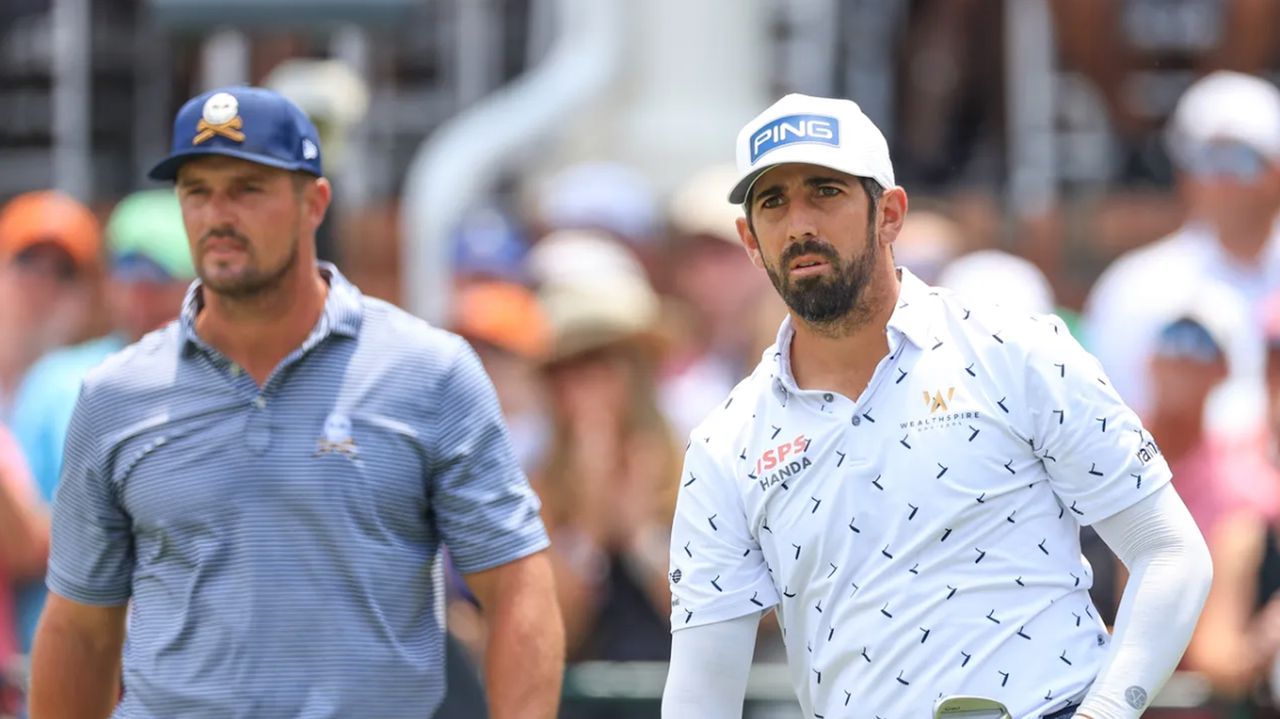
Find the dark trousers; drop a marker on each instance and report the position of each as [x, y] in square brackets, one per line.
[464, 695]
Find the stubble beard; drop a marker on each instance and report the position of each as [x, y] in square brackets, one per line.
[253, 281]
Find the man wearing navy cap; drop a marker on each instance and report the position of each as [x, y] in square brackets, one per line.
[270, 479]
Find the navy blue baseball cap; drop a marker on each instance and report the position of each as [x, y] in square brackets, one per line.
[250, 123]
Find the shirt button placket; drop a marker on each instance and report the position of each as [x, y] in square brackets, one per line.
[258, 428]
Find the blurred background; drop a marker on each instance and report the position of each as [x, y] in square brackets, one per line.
[548, 179]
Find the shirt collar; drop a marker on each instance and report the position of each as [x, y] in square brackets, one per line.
[911, 320]
[343, 309]
[912, 317]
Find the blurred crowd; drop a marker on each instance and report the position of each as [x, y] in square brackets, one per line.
[612, 318]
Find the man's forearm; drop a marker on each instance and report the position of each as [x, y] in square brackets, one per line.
[524, 661]
[72, 676]
[1170, 572]
[710, 665]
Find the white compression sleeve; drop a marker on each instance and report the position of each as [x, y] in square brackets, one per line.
[1169, 576]
[710, 664]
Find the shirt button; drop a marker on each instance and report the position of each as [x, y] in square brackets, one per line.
[260, 402]
[856, 420]
[828, 397]
[235, 370]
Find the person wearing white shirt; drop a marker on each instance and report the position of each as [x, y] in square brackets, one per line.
[904, 476]
[1224, 138]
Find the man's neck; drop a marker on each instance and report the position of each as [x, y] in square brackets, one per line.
[258, 332]
[844, 358]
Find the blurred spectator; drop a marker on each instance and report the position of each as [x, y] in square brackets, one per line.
[602, 196]
[1215, 473]
[928, 242]
[508, 330]
[488, 245]
[24, 544]
[149, 273]
[49, 255]
[716, 286]
[1225, 137]
[997, 277]
[582, 257]
[610, 480]
[1237, 643]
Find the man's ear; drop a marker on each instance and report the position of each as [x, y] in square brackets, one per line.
[893, 211]
[749, 242]
[318, 196]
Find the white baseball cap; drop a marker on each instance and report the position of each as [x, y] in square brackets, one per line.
[1227, 105]
[821, 131]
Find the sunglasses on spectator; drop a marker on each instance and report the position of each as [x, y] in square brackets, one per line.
[47, 259]
[1226, 160]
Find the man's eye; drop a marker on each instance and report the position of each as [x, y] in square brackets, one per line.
[828, 190]
[768, 202]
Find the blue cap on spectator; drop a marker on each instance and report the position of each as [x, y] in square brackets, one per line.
[250, 123]
[1187, 338]
[605, 196]
[488, 243]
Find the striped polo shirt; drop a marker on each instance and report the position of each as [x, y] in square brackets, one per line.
[281, 545]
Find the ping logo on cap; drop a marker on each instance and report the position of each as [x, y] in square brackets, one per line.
[793, 129]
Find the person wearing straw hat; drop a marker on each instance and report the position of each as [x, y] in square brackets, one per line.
[612, 465]
[267, 482]
[904, 476]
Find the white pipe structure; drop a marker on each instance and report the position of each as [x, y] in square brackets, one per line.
[71, 99]
[464, 157]
[1030, 77]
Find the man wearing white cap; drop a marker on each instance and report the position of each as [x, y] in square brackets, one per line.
[904, 476]
[1225, 140]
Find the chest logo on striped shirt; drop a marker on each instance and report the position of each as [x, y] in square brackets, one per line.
[337, 436]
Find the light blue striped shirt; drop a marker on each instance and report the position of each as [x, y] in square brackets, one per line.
[281, 546]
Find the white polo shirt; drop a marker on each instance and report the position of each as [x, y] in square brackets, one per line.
[923, 539]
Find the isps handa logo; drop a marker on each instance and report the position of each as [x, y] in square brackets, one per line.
[782, 463]
[942, 405]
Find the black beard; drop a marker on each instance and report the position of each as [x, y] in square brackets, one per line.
[824, 301]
